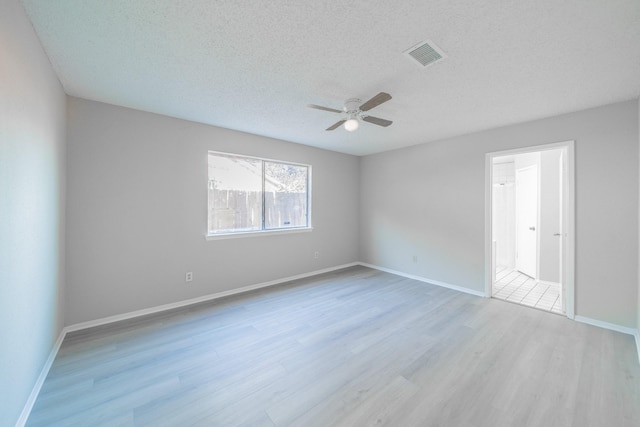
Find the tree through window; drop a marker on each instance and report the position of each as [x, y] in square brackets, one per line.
[248, 194]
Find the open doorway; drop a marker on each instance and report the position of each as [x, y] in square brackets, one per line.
[530, 227]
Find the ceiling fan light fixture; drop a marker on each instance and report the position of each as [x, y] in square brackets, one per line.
[354, 110]
[351, 125]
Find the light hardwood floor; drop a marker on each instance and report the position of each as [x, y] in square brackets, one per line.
[356, 347]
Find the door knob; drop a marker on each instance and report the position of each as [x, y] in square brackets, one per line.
[532, 228]
[557, 234]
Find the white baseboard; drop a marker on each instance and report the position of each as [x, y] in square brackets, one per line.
[184, 303]
[26, 411]
[606, 325]
[613, 327]
[582, 319]
[106, 320]
[35, 391]
[426, 280]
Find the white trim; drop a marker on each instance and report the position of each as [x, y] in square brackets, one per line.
[426, 280]
[568, 214]
[488, 232]
[35, 391]
[531, 149]
[26, 411]
[255, 233]
[606, 325]
[183, 303]
[612, 327]
[569, 229]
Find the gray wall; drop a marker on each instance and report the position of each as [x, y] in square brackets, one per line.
[428, 200]
[32, 149]
[137, 211]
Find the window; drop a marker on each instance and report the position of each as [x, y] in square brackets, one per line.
[248, 194]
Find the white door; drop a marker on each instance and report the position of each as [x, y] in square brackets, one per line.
[527, 220]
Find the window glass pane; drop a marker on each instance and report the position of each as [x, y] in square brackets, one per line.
[235, 194]
[285, 198]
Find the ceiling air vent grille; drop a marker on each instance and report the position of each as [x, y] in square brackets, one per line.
[426, 53]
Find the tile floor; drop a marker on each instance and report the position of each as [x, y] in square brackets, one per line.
[516, 287]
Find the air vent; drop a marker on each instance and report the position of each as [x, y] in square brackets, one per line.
[426, 53]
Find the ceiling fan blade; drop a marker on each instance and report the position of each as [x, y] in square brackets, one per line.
[377, 121]
[336, 125]
[375, 101]
[318, 107]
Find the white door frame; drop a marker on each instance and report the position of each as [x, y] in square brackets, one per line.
[568, 219]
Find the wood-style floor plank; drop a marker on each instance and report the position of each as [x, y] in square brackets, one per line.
[356, 347]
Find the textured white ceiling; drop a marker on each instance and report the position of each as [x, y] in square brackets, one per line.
[254, 65]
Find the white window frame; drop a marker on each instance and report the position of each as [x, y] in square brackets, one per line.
[263, 231]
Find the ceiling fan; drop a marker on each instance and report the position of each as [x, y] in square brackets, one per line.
[355, 111]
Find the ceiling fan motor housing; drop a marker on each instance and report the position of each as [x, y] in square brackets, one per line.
[351, 107]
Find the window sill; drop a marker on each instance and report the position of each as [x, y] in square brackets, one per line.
[223, 236]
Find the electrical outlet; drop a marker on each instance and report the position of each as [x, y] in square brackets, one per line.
[316, 254]
[188, 277]
[415, 259]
